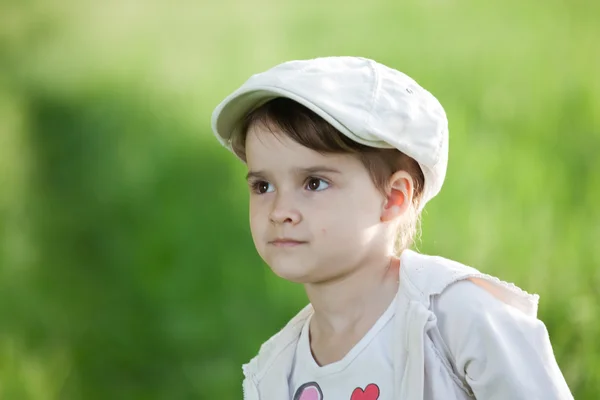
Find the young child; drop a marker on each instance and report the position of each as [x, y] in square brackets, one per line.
[343, 153]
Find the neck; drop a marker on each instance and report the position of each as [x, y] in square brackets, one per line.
[355, 300]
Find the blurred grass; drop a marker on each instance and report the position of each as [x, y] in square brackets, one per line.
[126, 266]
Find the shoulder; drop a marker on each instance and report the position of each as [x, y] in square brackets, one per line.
[467, 296]
[471, 318]
[426, 277]
[432, 274]
[464, 303]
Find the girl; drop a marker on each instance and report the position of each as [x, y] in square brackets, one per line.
[343, 153]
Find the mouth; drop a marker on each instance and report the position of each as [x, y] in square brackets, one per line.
[285, 242]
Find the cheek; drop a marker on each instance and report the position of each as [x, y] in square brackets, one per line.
[258, 215]
[351, 222]
[257, 232]
[255, 217]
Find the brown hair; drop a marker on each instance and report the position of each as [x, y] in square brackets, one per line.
[310, 130]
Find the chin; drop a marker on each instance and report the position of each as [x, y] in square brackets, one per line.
[290, 270]
[292, 275]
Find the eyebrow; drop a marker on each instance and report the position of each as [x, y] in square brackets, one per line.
[300, 171]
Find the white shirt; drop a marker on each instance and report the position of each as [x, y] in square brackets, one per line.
[365, 372]
[456, 333]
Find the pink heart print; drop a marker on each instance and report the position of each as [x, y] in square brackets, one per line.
[312, 391]
[371, 392]
[309, 391]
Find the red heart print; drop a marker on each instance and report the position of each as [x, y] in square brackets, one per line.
[371, 392]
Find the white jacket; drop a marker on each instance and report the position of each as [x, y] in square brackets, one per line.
[491, 345]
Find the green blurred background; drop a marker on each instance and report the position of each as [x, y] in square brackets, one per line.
[127, 270]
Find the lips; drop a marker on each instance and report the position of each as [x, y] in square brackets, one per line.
[286, 242]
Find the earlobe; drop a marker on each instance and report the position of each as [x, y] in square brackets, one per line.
[392, 213]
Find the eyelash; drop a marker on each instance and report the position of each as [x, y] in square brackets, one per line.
[255, 185]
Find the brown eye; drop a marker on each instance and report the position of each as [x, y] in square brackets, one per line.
[261, 187]
[316, 184]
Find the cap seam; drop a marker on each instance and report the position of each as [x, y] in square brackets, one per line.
[438, 154]
[376, 86]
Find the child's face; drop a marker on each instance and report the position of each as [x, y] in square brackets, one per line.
[313, 217]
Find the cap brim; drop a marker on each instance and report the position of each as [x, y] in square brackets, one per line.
[228, 116]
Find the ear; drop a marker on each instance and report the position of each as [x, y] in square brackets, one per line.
[398, 197]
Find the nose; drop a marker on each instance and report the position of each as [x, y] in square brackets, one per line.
[284, 212]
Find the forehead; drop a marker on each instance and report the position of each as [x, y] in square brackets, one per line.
[269, 146]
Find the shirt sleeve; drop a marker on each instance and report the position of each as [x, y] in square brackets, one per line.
[501, 352]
